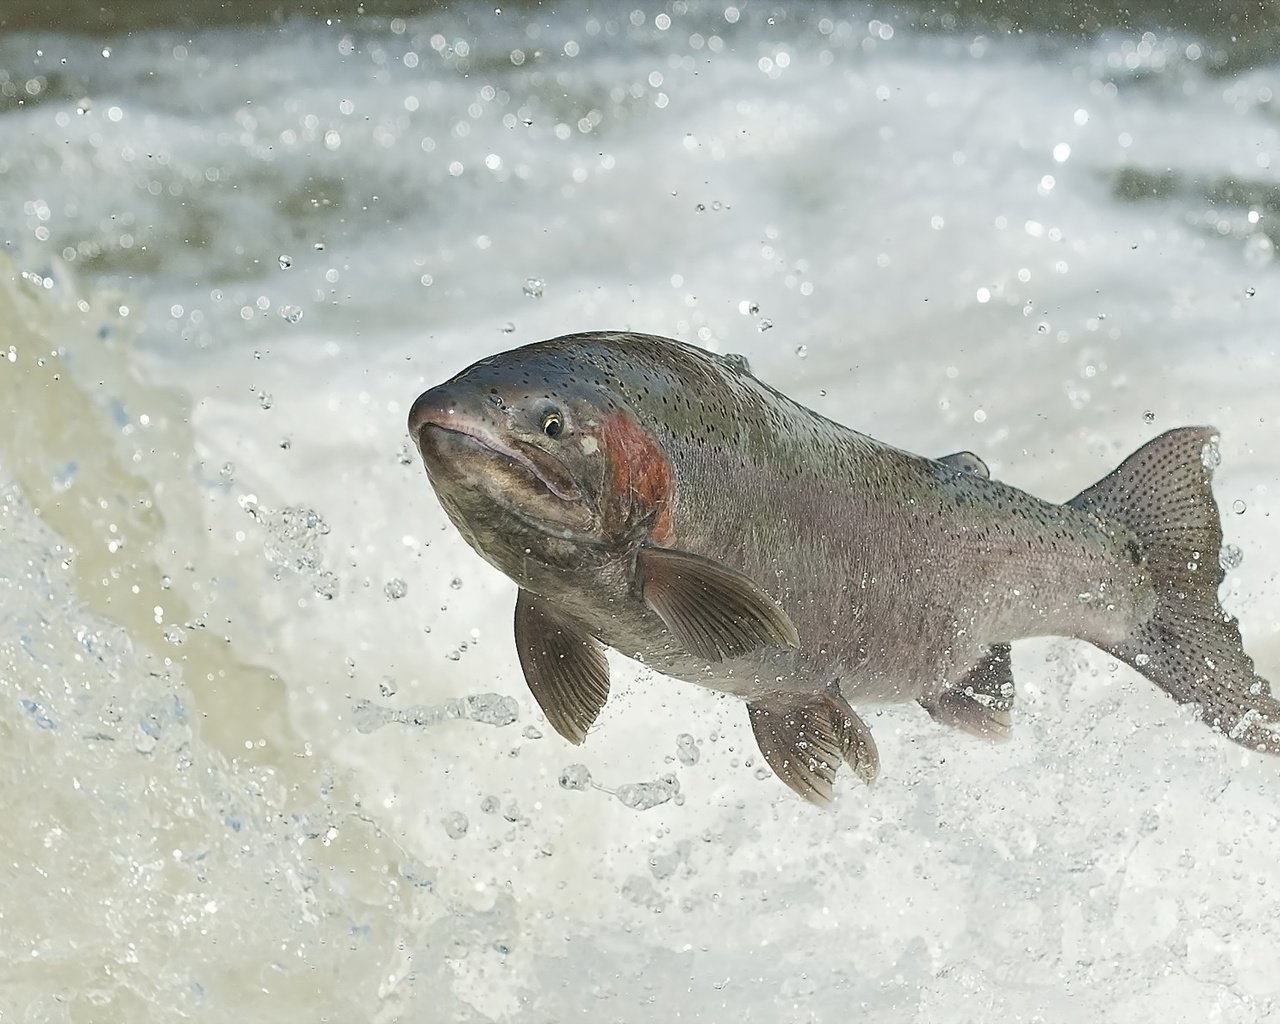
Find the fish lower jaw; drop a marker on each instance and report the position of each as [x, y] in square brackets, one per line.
[446, 449]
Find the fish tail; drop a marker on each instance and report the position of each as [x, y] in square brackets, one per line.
[1189, 646]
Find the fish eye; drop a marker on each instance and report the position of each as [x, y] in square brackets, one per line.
[552, 423]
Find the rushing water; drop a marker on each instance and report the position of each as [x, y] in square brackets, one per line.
[265, 749]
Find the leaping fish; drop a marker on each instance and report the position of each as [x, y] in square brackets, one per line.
[656, 498]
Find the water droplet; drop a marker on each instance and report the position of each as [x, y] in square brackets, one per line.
[532, 732]
[456, 825]
[534, 287]
[286, 261]
[1148, 417]
[227, 471]
[491, 708]
[166, 582]
[291, 314]
[456, 583]
[508, 328]
[175, 635]
[642, 796]
[1230, 557]
[367, 717]
[1250, 292]
[489, 805]
[1142, 660]
[576, 776]
[1210, 457]
[686, 749]
[1238, 507]
[395, 589]
[266, 401]
[387, 687]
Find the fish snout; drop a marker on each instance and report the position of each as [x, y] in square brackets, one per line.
[433, 408]
[438, 426]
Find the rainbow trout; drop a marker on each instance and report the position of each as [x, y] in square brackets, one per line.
[658, 499]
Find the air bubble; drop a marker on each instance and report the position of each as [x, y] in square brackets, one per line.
[456, 825]
[534, 287]
[1238, 507]
[1230, 557]
[1142, 660]
[686, 749]
[285, 261]
[290, 314]
[1210, 456]
[1148, 417]
[395, 589]
[456, 583]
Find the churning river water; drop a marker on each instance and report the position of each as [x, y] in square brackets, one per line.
[265, 749]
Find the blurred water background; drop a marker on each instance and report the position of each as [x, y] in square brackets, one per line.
[265, 749]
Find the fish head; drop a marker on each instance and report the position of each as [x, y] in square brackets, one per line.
[535, 458]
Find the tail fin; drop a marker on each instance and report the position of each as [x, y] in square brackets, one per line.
[1189, 647]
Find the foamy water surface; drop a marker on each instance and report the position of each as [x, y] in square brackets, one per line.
[266, 749]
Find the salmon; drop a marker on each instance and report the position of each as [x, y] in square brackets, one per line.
[658, 499]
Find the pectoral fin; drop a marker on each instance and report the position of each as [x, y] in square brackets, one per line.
[967, 462]
[563, 664]
[981, 703]
[714, 611]
[805, 743]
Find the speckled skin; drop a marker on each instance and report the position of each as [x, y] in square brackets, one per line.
[897, 571]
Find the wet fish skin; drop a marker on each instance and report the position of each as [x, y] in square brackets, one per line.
[686, 513]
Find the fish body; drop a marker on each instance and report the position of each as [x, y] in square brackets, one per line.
[659, 499]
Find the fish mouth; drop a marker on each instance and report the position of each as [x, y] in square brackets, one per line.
[449, 447]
